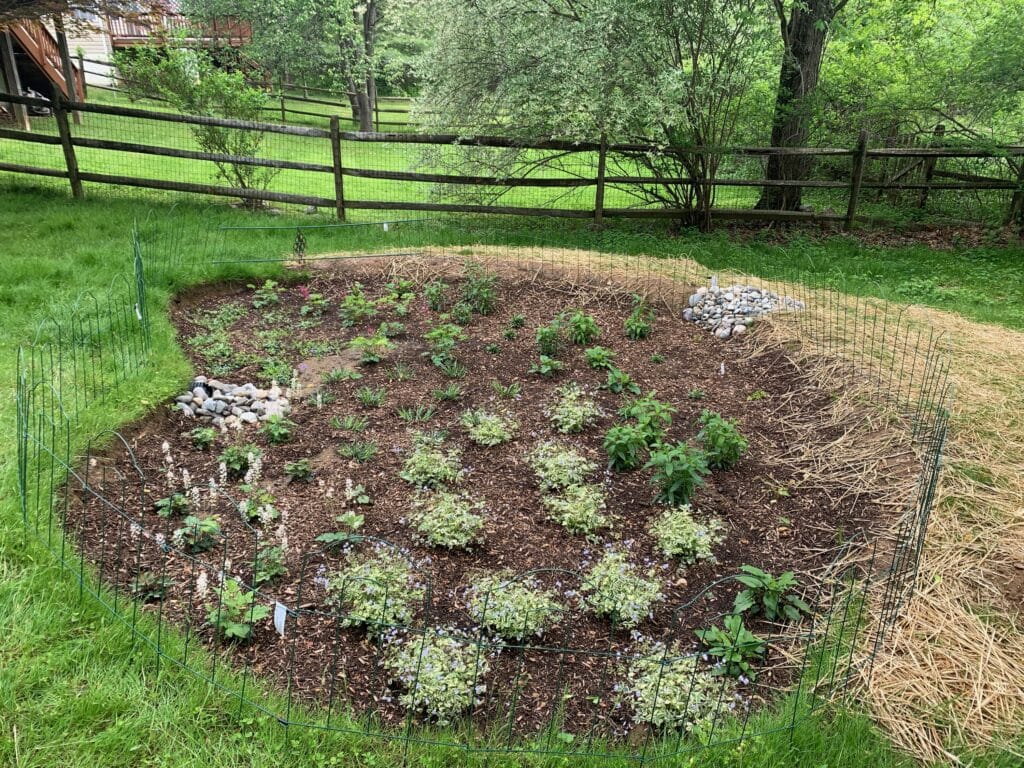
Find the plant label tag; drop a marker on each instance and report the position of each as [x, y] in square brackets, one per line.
[280, 613]
[138, 312]
[385, 226]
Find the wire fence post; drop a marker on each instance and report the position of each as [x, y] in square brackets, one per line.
[81, 68]
[856, 178]
[1015, 214]
[339, 181]
[60, 115]
[11, 81]
[929, 165]
[602, 160]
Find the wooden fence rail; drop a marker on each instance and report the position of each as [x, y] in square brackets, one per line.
[602, 151]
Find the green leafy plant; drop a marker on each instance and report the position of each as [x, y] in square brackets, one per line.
[547, 366]
[612, 587]
[757, 394]
[572, 410]
[448, 520]
[600, 358]
[549, 338]
[236, 611]
[258, 506]
[356, 493]
[351, 521]
[416, 414]
[442, 340]
[558, 466]
[452, 368]
[657, 358]
[197, 534]
[299, 470]
[377, 590]
[402, 372]
[678, 470]
[237, 458]
[681, 536]
[517, 321]
[434, 292]
[341, 374]
[578, 509]
[509, 333]
[351, 422]
[314, 305]
[695, 394]
[651, 415]
[203, 437]
[441, 673]
[371, 349]
[358, 450]
[275, 369]
[150, 587]
[449, 393]
[371, 397]
[480, 288]
[268, 565]
[277, 429]
[640, 322]
[266, 294]
[507, 391]
[320, 398]
[736, 647]
[773, 596]
[619, 381]
[487, 429]
[429, 465]
[461, 313]
[625, 445]
[513, 609]
[175, 504]
[722, 441]
[356, 307]
[391, 329]
[581, 328]
[493, 349]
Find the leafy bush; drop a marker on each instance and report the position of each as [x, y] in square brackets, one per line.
[236, 611]
[274, 369]
[448, 520]
[514, 609]
[442, 340]
[695, 394]
[277, 429]
[651, 415]
[452, 368]
[678, 470]
[581, 328]
[735, 646]
[428, 466]
[668, 690]
[619, 381]
[197, 534]
[341, 374]
[613, 588]
[268, 565]
[508, 391]
[769, 594]
[722, 441]
[549, 338]
[435, 294]
[462, 313]
[175, 504]
[300, 469]
[351, 422]
[573, 411]
[517, 321]
[391, 329]
[377, 590]
[203, 437]
[558, 466]
[371, 397]
[600, 358]
[238, 457]
[402, 372]
[416, 414]
[356, 307]
[371, 349]
[679, 535]
[579, 509]
[258, 506]
[547, 366]
[640, 322]
[488, 429]
[625, 445]
[315, 304]
[442, 673]
[479, 289]
[449, 393]
[358, 450]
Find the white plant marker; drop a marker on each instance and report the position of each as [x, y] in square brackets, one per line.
[280, 613]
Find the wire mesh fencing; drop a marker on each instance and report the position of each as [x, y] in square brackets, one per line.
[198, 595]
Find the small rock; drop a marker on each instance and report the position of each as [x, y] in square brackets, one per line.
[739, 330]
[186, 410]
[249, 417]
[183, 399]
[688, 315]
[723, 332]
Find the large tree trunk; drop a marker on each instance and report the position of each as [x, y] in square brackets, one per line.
[803, 36]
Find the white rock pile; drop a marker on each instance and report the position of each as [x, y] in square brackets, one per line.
[730, 311]
[227, 405]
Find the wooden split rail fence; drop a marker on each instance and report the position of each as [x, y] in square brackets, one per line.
[851, 189]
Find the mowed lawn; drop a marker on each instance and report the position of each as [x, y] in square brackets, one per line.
[73, 688]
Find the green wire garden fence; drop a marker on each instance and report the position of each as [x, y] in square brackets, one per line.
[86, 497]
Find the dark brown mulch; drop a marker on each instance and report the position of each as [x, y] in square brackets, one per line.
[775, 517]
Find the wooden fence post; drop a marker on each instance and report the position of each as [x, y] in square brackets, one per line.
[602, 161]
[81, 68]
[67, 68]
[929, 164]
[64, 131]
[12, 83]
[856, 178]
[339, 181]
[1016, 212]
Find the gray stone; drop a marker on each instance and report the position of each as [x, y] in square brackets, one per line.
[688, 315]
[696, 299]
[183, 399]
[249, 417]
[739, 330]
[723, 333]
[186, 410]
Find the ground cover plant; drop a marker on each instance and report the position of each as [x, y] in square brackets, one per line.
[462, 484]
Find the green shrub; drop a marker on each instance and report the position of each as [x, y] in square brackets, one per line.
[237, 458]
[679, 535]
[390, 329]
[507, 391]
[547, 366]
[357, 450]
[613, 588]
[452, 368]
[773, 596]
[429, 466]
[558, 466]
[651, 415]
[435, 294]
[203, 437]
[678, 470]
[448, 520]
[442, 340]
[268, 565]
[314, 304]
[299, 470]
[619, 381]
[371, 397]
[377, 591]
[416, 414]
[351, 422]
[175, 504]
[371, 349]
[487, 429]
[449, 393]
[734, 645]
[549, 338]
[267, 294]
[600, 358]
[625, 445]
[517, 321]
[341, 374]
[572, 410]
[581, 328]
[236, 611]
[578, 509]
[640, 322]
[513, 609]
[401, 372]
[462, 313]
[722, 441]
[441, 673]
[277, 429]
[197, 534]
[480, 288]
[355, 307]
[258, 506]
[274, 369]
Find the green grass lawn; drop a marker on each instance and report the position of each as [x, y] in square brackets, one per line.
[73, 688]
